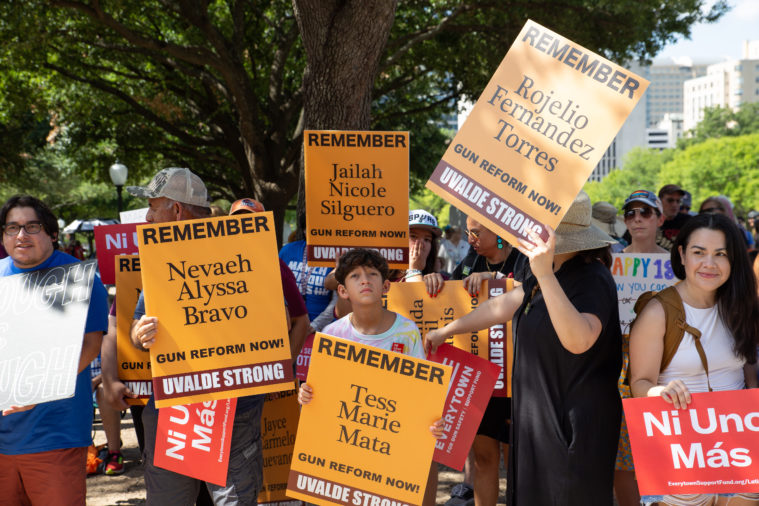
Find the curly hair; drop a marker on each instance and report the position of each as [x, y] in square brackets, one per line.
[360, 257]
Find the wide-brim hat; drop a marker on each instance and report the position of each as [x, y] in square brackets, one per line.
[576, 232]
[419, 218]
[604, 216]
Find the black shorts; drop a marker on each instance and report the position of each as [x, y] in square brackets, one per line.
[495, 421]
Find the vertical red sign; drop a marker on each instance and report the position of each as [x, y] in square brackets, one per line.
[112, 240]
[194, 439]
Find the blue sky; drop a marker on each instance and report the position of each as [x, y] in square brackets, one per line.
[720, 40]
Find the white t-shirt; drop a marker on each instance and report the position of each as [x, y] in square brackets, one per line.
[725, 366]
[402, 336]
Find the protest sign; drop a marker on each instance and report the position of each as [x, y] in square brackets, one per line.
[304, 358]
[365, 438]
[636, 273]
[112, 240]
[279, 424]
[194, 439]
[215, 286]
[500, 342]
[133, 364]
[472, 382]
[134, 216]
[534, 136]
[42, 320]
[710, 447]
[356, 194]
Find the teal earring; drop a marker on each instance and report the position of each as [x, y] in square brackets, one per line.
[500, 243]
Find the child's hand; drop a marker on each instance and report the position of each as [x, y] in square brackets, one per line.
[305, 394]
[437, 428]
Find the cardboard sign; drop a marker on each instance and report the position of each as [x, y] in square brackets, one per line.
[710, 447]
[42, 320]
[636, 273]
[112, 240]
[194, 439]
[356, 194]
[534, 136]
[364, 438]
[471, 386]
[133, 364]
[215, 287]
[279, 424]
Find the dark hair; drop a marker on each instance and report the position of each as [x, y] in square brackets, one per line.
[360, 257]
[736, 299]
[429, 265]
[44, 214]
[602, 254]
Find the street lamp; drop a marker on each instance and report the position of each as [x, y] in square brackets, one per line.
[118, 173]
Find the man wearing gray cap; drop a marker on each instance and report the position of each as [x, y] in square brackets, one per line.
[177, 194]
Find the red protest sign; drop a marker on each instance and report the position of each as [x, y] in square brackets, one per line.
[304, 358]
[710, 447]
[194, 439]
[469, 391]
[112, 240]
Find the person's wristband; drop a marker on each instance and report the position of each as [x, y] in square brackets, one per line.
[411, 273]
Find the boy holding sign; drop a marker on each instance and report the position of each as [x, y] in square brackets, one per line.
[362, 275]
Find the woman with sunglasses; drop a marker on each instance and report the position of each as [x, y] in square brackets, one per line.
[643, 217]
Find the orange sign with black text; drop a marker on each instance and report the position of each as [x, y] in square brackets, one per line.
[356, 194]
[365, 438]
[709, 447]
[133, 364]
[214, 286]
[536, 133]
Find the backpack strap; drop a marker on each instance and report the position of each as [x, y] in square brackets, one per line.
[676, 326]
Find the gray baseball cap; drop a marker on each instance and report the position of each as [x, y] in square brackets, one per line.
[174, 183]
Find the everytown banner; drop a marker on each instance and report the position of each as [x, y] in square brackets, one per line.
[42, 320]
[215, 287]
[194, 440]
[365, 438]
[112, 240]
[133, 364]
[472, 382]
[534, 136]
[710, 447]
[451, 303]
[635, 274]
[279, 424]
[356, 194]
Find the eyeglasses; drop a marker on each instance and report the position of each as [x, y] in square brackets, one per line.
[645, 213]
[474, 233]
[33, 227]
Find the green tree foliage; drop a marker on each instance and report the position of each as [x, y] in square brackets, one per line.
[641, 172]
[724, 122]
[720, 166]
[228, 86]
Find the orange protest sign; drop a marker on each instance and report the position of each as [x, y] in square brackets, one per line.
[451, 303]
[133, 364]
[279, 424]
[356, 194]
[364, 438]
[215, 287]
[534, 136]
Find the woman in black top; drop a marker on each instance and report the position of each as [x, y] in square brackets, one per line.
[567, 357]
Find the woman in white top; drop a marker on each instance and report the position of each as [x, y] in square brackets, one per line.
[719, 295]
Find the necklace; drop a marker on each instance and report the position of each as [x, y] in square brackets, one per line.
[535, 290]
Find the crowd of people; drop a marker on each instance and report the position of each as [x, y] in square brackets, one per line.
[561, 435]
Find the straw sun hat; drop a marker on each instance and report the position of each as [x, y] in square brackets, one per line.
[576, 232]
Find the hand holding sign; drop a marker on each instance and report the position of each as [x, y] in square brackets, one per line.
[144, 331]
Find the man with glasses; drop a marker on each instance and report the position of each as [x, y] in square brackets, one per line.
[671, 197]
[643, 216]
[43, 448]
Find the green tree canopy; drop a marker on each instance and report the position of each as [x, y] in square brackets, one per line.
[724, 122]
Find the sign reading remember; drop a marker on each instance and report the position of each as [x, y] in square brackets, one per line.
[356, 194]
[134, 365]
[215, 287]
[537, 131]
[365, 438]
[42, 320]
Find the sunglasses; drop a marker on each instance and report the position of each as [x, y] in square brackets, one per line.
[645, 212]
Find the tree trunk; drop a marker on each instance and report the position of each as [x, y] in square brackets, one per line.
[344, 42]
